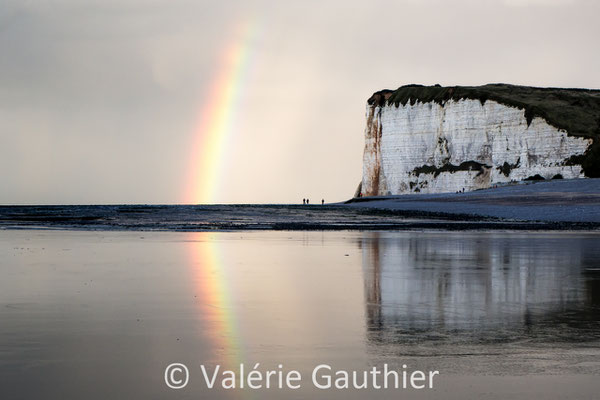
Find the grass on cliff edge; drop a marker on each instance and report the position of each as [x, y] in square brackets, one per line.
[577, 111]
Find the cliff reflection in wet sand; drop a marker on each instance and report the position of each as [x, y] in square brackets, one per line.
[99, 315]
[435, 289]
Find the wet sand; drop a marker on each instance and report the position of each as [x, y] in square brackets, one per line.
[99, 315]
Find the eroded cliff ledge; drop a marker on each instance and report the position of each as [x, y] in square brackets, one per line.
[434, 139]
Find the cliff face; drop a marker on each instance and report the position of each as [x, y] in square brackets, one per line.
[434, 139]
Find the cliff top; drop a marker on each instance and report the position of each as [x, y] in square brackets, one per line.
[577, 111]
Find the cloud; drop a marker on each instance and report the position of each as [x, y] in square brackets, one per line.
[541, 3]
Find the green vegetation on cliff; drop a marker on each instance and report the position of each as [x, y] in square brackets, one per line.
[577, 111]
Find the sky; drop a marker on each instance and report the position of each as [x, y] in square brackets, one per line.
[159, 102]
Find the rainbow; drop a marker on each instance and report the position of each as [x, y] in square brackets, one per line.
[218, 117]
[211, 283]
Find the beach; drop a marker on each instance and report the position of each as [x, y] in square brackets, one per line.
[101, 314]
[575, 200]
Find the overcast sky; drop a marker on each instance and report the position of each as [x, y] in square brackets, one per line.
[99, 100]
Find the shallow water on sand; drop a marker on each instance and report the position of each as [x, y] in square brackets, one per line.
[99, 315]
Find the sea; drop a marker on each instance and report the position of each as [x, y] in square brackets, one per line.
[199, 217]
[244, 217]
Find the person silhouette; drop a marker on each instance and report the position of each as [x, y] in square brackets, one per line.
[307, 201]
[304, 201]
[322, 201]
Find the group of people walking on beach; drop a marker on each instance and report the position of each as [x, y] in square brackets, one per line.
[307, 201]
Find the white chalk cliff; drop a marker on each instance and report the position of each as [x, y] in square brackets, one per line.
[461, 144]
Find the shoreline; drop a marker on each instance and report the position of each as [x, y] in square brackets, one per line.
[450, 225]
[562, 205]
